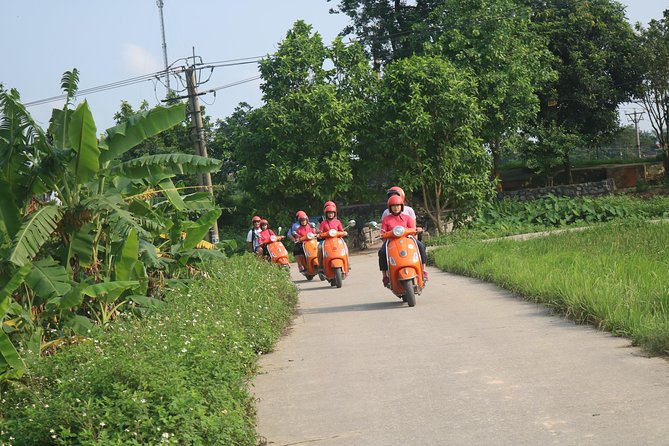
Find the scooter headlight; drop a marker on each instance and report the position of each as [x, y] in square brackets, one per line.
[398, 231]
[310, 236]
[272, 238]
[332, 232]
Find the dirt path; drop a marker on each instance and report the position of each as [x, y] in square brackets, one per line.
[471, 364]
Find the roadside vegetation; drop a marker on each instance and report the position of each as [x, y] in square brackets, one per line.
[180, 375]
[614, 275]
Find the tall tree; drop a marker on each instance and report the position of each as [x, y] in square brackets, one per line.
[595, 57]
[654, 94]
[430, 134]
[496, 40]
[298, 148]
[386, 28]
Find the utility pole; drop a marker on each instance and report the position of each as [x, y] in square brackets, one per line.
[635, 118]
[162, 30]
[197, 135]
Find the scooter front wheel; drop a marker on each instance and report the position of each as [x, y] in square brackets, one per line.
[409, 296]
[338, 278]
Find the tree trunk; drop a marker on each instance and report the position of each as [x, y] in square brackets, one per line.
[567, 170]
[496, 159]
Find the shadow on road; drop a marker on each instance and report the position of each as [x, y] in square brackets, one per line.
[389, 305]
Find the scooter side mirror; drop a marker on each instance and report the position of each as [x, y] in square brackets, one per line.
[312, 224]
[278, 230]
[351, 223]
[373, 224]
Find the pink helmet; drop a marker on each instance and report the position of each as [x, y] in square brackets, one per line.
[395, 199]
[396, 190]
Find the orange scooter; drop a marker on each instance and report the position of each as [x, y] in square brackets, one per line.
[334, 255]
[277, 252]
[405, 269]
[310, 247]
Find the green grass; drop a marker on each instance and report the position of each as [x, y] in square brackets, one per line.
[177, 376]
[614, 276]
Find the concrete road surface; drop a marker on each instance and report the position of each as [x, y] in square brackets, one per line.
[470, 364]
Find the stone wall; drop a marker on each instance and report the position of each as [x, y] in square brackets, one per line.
[595, 188]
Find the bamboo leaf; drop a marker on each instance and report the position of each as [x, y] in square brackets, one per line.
[137, 128]
[34, 232]
[82, 134]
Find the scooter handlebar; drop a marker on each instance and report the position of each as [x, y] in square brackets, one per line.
[394, 233]
[330, 233]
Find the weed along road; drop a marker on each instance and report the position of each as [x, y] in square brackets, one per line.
[470, 364]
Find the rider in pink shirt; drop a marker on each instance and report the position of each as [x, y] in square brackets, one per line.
[331, 221]
[397, 218]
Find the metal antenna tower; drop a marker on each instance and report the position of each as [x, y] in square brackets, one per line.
[162, 30]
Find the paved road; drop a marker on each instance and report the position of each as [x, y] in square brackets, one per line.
[471, 364]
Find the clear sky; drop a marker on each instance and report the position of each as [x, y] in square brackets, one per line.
[111, 41]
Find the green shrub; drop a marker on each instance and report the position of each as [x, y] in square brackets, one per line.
[178, 376]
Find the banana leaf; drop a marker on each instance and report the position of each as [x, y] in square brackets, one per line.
[9, 213]
[166, 164]
[72, 299]
[117, 214]
[10, 356]
[47, 279]
[197, 233]
[139, 127]
[84, 140]
[14, 282]
[109, 291]
[34, 232]
[169, 189]
[80, 325]
[82, 244]
[129, 253]
[146, 301]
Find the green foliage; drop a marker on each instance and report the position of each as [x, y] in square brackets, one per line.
[613, 275]
[178, 376]
[654, 92]
[79, 220]
[430, 122]
[510, 217]
[596, 56]
[495, 40]
[550, 212]
[298, 149]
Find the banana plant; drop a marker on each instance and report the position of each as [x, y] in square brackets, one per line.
[78, 227]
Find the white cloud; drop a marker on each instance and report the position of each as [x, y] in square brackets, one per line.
[138, 60]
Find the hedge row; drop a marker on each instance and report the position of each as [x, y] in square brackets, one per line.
[177, 376]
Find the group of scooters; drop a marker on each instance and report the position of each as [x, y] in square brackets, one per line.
[329, 259]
